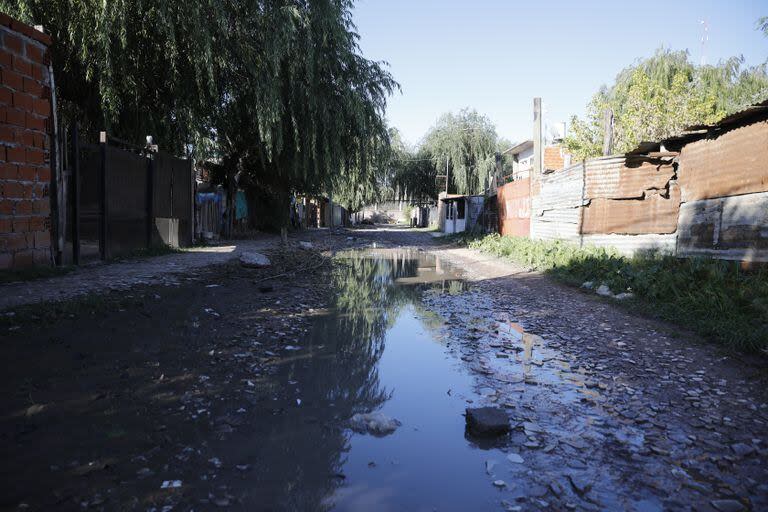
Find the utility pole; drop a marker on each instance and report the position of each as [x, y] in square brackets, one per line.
[608, 132]
[446, 174]
[537, 142]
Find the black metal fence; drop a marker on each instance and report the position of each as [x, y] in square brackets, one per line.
[121, 198]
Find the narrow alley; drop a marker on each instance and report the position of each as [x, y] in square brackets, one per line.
[343, 386]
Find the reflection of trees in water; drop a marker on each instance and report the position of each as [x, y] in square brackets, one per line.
[367, 300]
[305, 445]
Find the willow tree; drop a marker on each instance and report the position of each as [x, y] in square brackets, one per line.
[302, 108]
[133, 67]
[465, 143]
[662, 95]
[412, 173]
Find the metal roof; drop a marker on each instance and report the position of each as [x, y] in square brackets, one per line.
[752, 113]
[519, 148]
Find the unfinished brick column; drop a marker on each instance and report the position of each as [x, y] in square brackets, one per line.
[25, 164]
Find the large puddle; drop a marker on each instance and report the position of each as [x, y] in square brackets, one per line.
[377, 350]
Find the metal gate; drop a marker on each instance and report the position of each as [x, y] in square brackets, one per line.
[121, 198]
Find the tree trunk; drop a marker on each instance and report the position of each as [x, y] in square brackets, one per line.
[230, 206]
[284, 215]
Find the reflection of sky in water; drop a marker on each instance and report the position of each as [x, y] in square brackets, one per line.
[380, 349]
[427, 463]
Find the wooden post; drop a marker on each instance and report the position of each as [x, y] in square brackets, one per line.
[75, 195]
[103, 209]
[193, 193]
[150, 205]
[538, 149]
[499, 171]
[537, 142]
[608, 132]
[230, 207]
[446, 174]
[58, 206]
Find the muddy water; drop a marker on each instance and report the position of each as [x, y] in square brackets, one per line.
[378, 350]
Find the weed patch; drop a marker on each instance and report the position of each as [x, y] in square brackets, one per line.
[712, 297]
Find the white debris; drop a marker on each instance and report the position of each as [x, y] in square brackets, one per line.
[171, 484]
[604, 291]
[254, 260]
[374, 423]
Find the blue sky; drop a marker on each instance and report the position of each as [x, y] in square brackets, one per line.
[496, 55]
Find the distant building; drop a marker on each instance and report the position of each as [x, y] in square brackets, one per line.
[522, 160]
[459, 212]
[521, 155]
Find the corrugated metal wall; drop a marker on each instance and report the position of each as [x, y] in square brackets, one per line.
[514, 207]
[724, 183]
[556, 210]
[731, 228]
[630, 196]
[734, 163]
[474, 211]
[712, 200]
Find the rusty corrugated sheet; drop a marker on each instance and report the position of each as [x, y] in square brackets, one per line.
[560, 224]
[655, 213]
[514, 206]
[620, 178]
[556, 210]
[734, 228]
[630, 196]
[735, 162]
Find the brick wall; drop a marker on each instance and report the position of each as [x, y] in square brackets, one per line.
[25, 165]
[554, 158]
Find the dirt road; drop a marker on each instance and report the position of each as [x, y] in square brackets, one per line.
[226, 390]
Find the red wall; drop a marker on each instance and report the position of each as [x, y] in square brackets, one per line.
[514, 200]
[25, 166]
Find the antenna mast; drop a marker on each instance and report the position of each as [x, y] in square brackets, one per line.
[704, 41]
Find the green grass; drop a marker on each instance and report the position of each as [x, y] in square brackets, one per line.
[715, 298]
